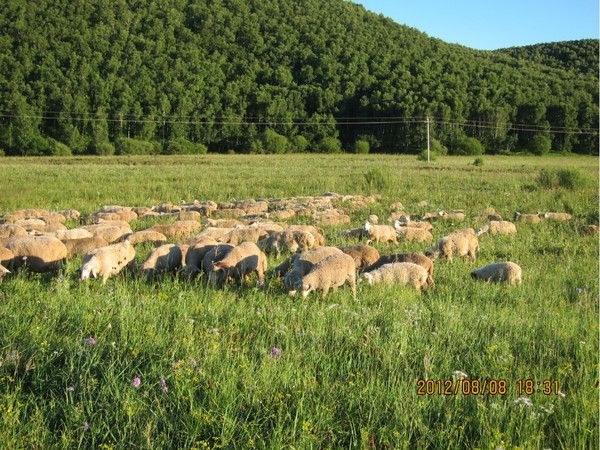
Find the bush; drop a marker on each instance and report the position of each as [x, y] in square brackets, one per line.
[184, 147]
[329, 145]
[423, 156]
[57, 148]
[378, 179]
[299, 143]
[273, 142]
[478, 162]
[565, 178]
[129, 146]
[2, 153]
[104, 149]
[361, 146]
[540, 144]
[467, 146]
[437, 147]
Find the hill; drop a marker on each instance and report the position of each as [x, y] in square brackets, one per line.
[267, 76]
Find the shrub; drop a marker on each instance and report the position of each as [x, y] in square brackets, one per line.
[565, 178]
[540, 144]
[361, 146]
[378, 179]
[546, 179]
[130, 146]
[273, 142]
[184, 147]
[478, 162]
[57, 148]
[437, 147]
[2, 153]
[104, 149]
[299, 143]
[423, 156]
[329, 145]
[467, 146]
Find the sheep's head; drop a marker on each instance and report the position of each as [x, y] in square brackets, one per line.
[86, 271]
[368, 225]
[366, 277]
[307, 288]
[397, 224]
[432, 254]
[483, 229]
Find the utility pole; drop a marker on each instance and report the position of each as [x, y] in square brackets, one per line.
[428, 152]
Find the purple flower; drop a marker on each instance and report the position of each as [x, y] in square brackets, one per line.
[86, 426]
[90, 341]
[136, 382]
[260, 283]
[163, 385]
[276, 352]
[70, 389]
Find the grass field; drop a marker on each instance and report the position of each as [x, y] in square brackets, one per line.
[347, 371]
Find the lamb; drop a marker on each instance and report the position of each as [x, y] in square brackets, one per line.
[380, 233]
[496, 227]
[145, 236]
[78, 247]
[37, 253]
[527, 218]
[239, 263]
[413, 234]
[177, 230]
[107, 261]
[301, 264]
[508, 272]
[364, 255]
[330, 273]
[402, 272]
[166, 258]
[588, 229]
[288, 241]
[557, 217]
[460, 243]
[415, 258]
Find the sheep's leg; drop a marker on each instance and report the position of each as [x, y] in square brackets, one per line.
[325, 291]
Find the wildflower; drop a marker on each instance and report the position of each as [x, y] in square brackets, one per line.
[213, 331]
[177, 363]
[90, 341]
[70, 389]
[163, 385]
[276, 352]
[461, 375]
[86, 426]
[136, 382]
[525, 401]
[193, 362]
[546, 410]
[260, 283]
[561, 394]
[579, 290]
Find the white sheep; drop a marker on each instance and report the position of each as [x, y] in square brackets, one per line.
[166, 258]
[107, 261]
[380, 233]
[527, 218]
[495, 227]
[557, 217]
[410, 233]
[460, 243]
[300, 264]
[331, 273]
[239, 263]
[37, 253]
[287, 241]
[499, 272]
[400, 272]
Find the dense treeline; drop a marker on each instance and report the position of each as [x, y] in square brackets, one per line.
[184, 76]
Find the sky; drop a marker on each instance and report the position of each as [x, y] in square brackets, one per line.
[488, 25]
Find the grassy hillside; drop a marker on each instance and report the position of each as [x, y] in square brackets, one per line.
[347, 371]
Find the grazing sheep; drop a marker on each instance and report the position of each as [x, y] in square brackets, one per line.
[9, 230]
[397, 206]
[6, 257]
[398, 215]
[222, 223]
[31, 224]
[177, 230]
[410, 233]
[405, 221]
[499, 272]
[364, 255]
[354, 233]
[32, 213]
[213, 256]
[269, 227]
[287, 241]
[75, 233]
[557, 217]
[78, 247]
[166, 258]
[245, 234]
[373, 218]
[3, 272]
[330, 273]
[460, 243]
[218, 234]
[189, 215]
[401, 272]
[415, 258]
[126, 215]
[283, 214]
[487, 217]
[380, 233]
[588, 229]
[496, 227]
[107, 261]
[145, 236]
[239, 263]
[331, 217]
[197, 251]
[108, 231]
[300, 264]
[71, 214]
[527, 218]
[229, 213]
[456, 216]
[315, 231]
[37, 253]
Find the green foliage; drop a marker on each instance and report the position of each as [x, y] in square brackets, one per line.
[478, 162]
[437, 147]
[423, 156]
[570, 178]
[2, 152]
[467, 146]
[57, 148]
[378, 179]
[361, 146]
[329, 144]
[184, 147]
[104, 149]
[299, 143]
[274, 142]
[540, 144]
[129, 146]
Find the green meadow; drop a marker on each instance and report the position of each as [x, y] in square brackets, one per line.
[345, 373]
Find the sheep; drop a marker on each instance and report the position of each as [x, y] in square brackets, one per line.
[31, 224]
[222, 223]
[269, 227]
[245, 234]
[405, 221]
[166, 258]
[145, 236]
[373, 218]
[9, 230]
[331, 272]
[3, 272]
[588, 229]
[212, 232]
[487, 217]
[283, 214]
[331, 217]
[177, 230]
[189, 215]
[460, 243]
[315, 231]
[126, 215]
[107, 261]
[457, 215]
[229, 213]
[75, 233]
[398, 215]
[400, 272]
[354, 233]
[499, 272]
[557, 217]
[6, 257]
[288, 241]
[242, 260]
[37, 253]
[364, 255]
[71, 214]
[78, 247]
[214, 255]
[527, 218]
[302, 263]
[397, 206]
[415, 258]
[380, 233]
[108, 231]
[413, 234]
[197, 251]
[496, 227]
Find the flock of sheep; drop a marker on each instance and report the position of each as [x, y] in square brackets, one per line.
[236, 236]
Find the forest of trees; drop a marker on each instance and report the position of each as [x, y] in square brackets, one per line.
[273, 76]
